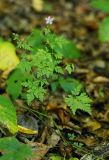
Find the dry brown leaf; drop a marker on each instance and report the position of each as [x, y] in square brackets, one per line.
[55, 104]
[101, 79]
[91, 124]
[89, 140]
[74, 127]
[53, 139]
[39, 150]
[51, 106]
[63, 115]
[102, 133]
[91, 22]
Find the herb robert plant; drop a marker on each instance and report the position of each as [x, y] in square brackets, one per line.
[41, 66]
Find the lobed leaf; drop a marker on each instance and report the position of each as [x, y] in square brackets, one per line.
[81, 101]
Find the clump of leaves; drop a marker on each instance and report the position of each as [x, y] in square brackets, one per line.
[42, 66]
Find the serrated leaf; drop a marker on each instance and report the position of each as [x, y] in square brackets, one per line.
[77, 89]
[8, 115]
[101, 5]
[104, 30]
[12, 149]
[69, 68]
[81, 101]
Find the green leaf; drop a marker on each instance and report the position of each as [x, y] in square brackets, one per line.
[77, 89]
[31, 42]
[61, 45]
[69, 68]
[81, 101]
[24, 66]
[67, 48]
[14, 83]
[35, 40]
[54, 86]
[12, 149]
[70, 84]
[47, 7]
[44, 63]
[101, 5]
[21, 43]
[104, 30]
[55, 157]
[8, 117]
[34, 90]
[1, 40]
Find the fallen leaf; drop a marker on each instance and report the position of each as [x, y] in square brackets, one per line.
[63, 115]
[39, 150]
[8, 57]
[101, 79]
[26, 130]
[53, 139]
[91, 124]
[37, 5]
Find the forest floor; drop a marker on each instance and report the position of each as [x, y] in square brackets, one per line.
[80, 134]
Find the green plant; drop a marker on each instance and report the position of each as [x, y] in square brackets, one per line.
[77, 145]
[41, 66]
[78, 100]
[71, 136]
[102, 5]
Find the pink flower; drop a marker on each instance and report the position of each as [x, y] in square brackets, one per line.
[49, 20]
